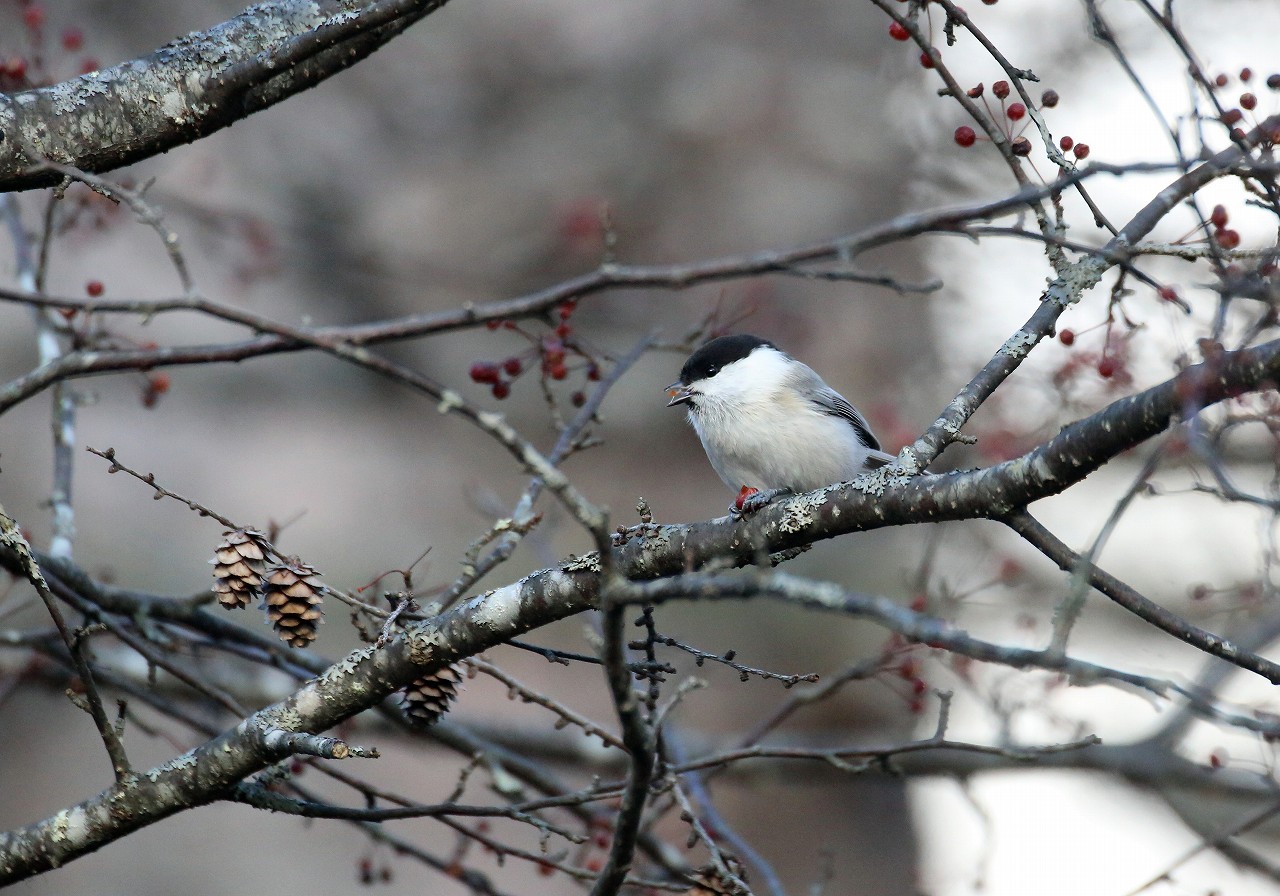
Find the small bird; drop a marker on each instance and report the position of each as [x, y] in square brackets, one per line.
[769, 422]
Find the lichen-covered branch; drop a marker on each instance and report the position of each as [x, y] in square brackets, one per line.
[191, 87]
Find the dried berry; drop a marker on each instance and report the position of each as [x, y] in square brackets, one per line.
[1000, 89]
[1067, 337]
[1049, 98]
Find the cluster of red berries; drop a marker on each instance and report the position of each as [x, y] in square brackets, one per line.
[909, 670]
[1012, 114]
[1247, 102]
[551, 350]
[1223, 235]
[20, 72]
[1111, 364]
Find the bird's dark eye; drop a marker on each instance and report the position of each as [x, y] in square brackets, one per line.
[712, 370]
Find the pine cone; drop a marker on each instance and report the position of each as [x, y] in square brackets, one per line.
[708, 881]
[238, 565]
[424, 700]
[292, 592]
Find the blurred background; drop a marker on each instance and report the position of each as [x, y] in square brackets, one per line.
[468, 161]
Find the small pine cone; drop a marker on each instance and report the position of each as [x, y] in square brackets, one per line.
[708, 881]
[238, 565]
[424, 700]
[291, 596]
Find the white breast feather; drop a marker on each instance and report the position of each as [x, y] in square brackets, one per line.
[758, 434]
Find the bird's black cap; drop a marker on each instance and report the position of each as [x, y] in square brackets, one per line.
[719, 352]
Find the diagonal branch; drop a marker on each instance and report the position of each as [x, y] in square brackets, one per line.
[1130, 599]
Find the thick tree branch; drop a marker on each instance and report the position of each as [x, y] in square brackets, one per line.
[192, 87]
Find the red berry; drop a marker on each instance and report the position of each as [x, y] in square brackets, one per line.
[926, 59]
[557, 371]
[1000, 89]
[1220, 81]
[89, 64]
[919, 603]
[1107, 368]
[1227, 239]
[94, 288]
[563, 330]
[1248, 101]
[1021, 147]
[918, 686]
[565, 310]
[16, 68]
[593, 371]
[1081, 150]
[578, 399]
[72, 39]
[1218, 218]
[493, 324]
[965, 135]
[898, 31]
[974, 92]
[1066, 143]
[1246, 73]
[484, 372]
[33, 16]
[1049, 98]
[159, 383]
[512, 366]
[990, 2]
[1232, 116]
[1067, 337]
[1273, 82]
[1016, 111]
[1168, 293]
[501, 390]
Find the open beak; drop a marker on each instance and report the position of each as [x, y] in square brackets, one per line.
[679, 393]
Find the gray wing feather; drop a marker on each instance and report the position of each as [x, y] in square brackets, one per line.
[829, 401]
